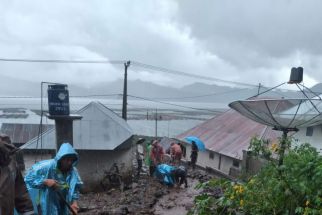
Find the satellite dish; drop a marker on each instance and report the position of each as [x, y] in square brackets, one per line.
[283, 114]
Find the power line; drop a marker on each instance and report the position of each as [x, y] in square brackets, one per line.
[167, 103]
[161, 69]
[62, 61]
[133, 63]
[200, 96]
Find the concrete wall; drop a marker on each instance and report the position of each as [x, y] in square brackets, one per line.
[315, 140]
[93, 163]
[219, 162]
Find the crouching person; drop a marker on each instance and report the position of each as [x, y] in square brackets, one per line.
[180, 176]
[54, 184]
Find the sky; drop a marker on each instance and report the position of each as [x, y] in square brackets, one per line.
[247, 41]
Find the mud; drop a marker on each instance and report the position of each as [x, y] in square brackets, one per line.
[145, 196]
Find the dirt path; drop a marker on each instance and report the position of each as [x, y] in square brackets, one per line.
[178, 201]
[147, 196]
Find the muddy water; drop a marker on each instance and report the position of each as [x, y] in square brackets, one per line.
[178, 201]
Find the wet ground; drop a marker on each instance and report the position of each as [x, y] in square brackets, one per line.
[146, 196]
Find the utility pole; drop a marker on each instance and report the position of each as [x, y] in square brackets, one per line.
[259, 88]
[124, 108]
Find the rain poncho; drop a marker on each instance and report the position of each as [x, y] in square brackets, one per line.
[46, 197]
[164, 174]
[147, 158]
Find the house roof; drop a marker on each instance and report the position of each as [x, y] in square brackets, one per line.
[21, 124]
[22, 133]
[99, 129]
[21, 116]
[230, 133]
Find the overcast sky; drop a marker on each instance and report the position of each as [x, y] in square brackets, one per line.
[247, 41]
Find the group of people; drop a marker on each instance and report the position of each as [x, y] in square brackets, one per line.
[154, 157]
[53, 186]
[49, 187]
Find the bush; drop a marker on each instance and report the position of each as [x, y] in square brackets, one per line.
[291, 188]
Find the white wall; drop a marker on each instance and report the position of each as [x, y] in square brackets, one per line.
[315, 140]
[221, 163]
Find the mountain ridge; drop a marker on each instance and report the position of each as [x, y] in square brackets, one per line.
[196, 92]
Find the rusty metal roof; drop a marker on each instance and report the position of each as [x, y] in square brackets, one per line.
[230, 133]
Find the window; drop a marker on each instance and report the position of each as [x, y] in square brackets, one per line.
[236, 163]
[309, 131]
[211, 155]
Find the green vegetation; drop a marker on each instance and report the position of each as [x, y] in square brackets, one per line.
[291, 188]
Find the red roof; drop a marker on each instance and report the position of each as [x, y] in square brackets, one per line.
[230, 133]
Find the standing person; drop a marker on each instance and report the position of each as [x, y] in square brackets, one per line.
[183, 149]
[13, 191]
[55, 183]
[176, 153]
[194, 154]
[147, 157]
[156, 155]
[139, 155]
[18, 155]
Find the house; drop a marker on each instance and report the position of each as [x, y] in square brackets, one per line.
[310, 117]
[101, 139]
[21, 125]
[226, 136]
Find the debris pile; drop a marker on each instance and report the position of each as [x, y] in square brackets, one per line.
[145, 196]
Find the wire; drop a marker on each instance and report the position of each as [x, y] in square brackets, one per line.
[62, 61]
[138, 97]
[199, 96]
[161, 69]
[133, 63]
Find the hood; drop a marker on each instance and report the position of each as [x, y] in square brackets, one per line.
[66, 149]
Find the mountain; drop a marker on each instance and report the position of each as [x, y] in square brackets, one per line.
[197, 92]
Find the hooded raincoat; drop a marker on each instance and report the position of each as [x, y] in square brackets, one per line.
[69, 184]
[164, 174]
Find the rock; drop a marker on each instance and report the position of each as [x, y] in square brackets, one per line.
[170, 205]
[158, 194]
[134, 185]
[188, 206]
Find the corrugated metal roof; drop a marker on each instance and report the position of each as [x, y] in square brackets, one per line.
[99, 129]
[230, 133]
[22, 133]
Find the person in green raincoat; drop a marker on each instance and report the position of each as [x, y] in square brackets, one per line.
[147, 158]
[54, 183]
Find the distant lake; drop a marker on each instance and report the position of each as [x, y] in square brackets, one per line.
[77, 103]
[171, 119]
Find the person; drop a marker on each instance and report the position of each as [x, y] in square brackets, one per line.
[176, 153]
[164, 174]
[147, 157]
[13, 191]
[18, 155]
[156, 155]
[180, 176]
[54, 184]
[183, 149]
[139, 155]
[194, 154]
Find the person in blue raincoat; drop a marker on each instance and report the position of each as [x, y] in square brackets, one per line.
[163, 173]
[46, 178]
